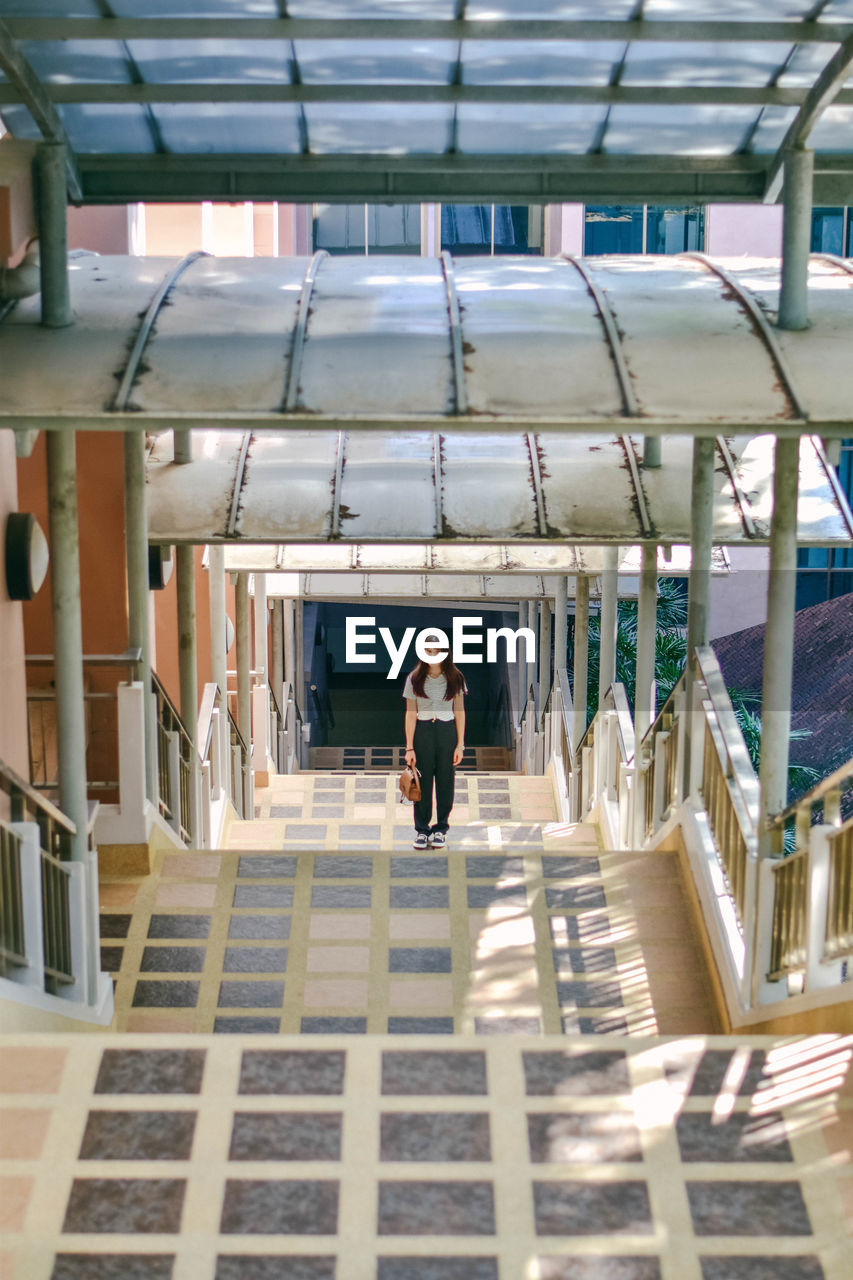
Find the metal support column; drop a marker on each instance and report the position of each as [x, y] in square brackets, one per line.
[581, 657]
[609, 622]
[544, 656]
[651, 451]
[779, 638]
[561, 609]
[699, 584]
[521, 665]
[67, 634]
[51, 160]
[188, 672]
[644, 710]
[261, 655]
[532, 667]
[136, 550]
[796, 239]
[290, 646]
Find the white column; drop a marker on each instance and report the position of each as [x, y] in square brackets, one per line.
[544, 655]
[646, 628]
[581, 656]
[188, 672]
[699, 586]
[561, 608]
[67, 633]
[609, 620]
[136, 549]
[796, 239]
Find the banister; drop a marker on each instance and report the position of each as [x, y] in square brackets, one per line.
[11, 782]
[839, 780]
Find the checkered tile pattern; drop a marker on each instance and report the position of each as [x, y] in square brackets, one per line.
[206, 1158]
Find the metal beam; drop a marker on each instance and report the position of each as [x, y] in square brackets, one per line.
[27, 89]
[535, 178]
[826, 90]
[139, 28]
[148, 94]
[476, 424]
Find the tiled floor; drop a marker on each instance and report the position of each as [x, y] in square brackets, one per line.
[506, 1158]
[335, 925]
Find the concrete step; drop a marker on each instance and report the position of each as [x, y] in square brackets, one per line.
[378, 759]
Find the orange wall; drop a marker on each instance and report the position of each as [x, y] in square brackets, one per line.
[166, 630]
[13, 717]
[172, 229]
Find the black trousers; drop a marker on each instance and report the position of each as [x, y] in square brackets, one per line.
[434, 743]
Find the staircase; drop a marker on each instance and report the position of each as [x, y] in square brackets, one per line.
[361, 759]
[491, 1062]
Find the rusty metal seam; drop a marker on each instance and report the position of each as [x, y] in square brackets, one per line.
[834, 482]
[455, 333]
[834, 260]
[437, 481]
[336, 485]
[634, 472]
[239, 476]
[762, 325]
[630, 408]
[536, 473]
[291, 389]
[740, 497]
[131, 369]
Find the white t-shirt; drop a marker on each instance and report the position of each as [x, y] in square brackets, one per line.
[433, 706]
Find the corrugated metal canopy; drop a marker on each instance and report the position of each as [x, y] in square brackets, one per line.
[433, 99]
[412, 399]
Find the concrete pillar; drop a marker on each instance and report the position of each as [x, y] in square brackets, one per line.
[244, 706]
[651, 451]
[188, 671]
[779, 638]
[646, 628]
[53, 235]
[796, 239]
[544, 654]
[67, 633]
[521, 665]
[532, 667]
[609, 622]
[581, 656]
[299, 618]
[699, 584]
[136, 549]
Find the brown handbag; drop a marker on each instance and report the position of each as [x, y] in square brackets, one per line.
[410, 787]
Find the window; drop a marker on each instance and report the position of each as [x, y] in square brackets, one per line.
[832, 231]
[824, 573]
[382, 228]
[491, 228]
[625, 228]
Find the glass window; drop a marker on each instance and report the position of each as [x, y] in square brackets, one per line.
[613, 228]
[824, 574]
[491, 228]
[827, 230]
[625, 228]
[394, 228]
[674, 230]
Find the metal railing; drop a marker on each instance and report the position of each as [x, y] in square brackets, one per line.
[839, 910]
[102, 673]
[789, 929]
[26, 805]
[174, 764]
[241, 767]
[286, 727]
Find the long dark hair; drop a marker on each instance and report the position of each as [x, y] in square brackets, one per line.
[455, 678]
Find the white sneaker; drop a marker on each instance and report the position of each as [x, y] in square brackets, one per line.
[421, 840]
[438, 839]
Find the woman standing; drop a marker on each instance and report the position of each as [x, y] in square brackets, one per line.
[435, 740]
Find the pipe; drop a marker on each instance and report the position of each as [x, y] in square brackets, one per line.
[244, 708]
[544, 655]
[53, 235]
[699, 584]
[561, 608]
[796, 239]
[24, 280]
[218, 638]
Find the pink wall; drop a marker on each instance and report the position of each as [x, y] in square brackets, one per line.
[13, 720]
[102, 228]
[735, 229]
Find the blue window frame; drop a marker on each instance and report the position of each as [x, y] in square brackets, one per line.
[638, 228]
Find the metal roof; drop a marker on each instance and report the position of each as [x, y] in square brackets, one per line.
[513, 100]
[405, 399]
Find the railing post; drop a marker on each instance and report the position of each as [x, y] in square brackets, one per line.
[31, 975]
[608, 623]
[581, 659]
[174, 770]
[206, 796]
[819, 973]
[659, 777]
[758, 907]
[218, 652]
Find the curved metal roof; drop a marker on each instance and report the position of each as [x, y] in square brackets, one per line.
[433, 99]
[407, 399]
